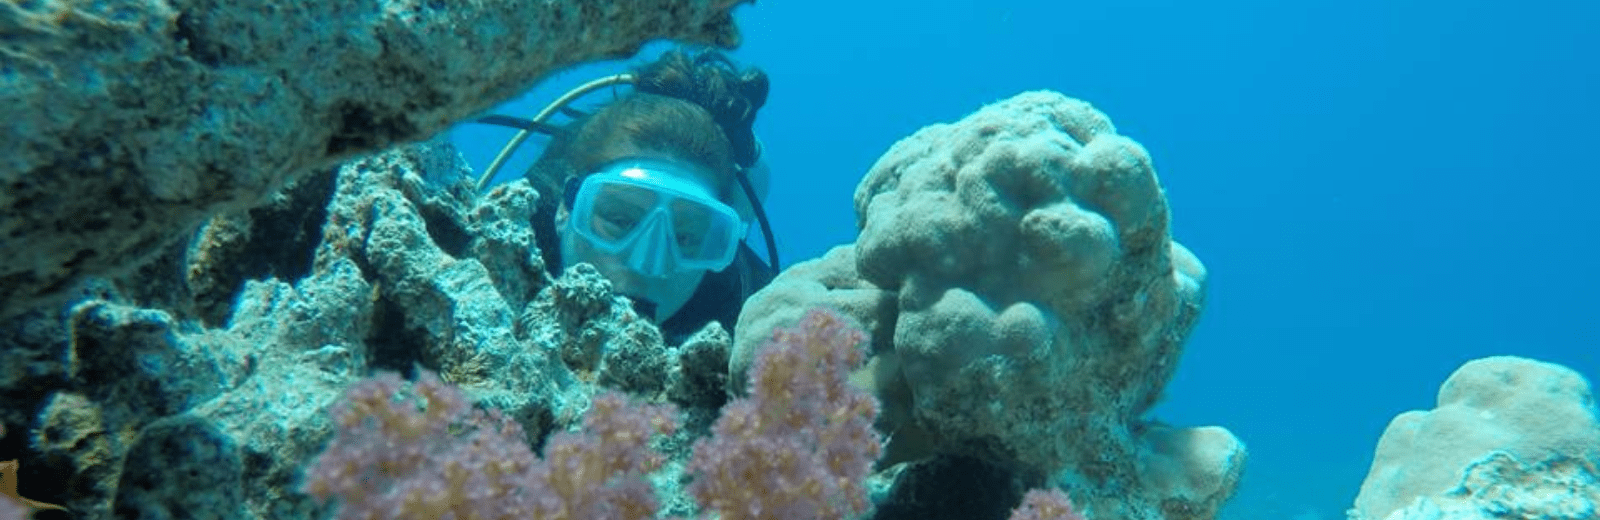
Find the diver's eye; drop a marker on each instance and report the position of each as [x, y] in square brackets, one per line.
[616, 220]
[690, 241]
[619, 218]
[608, 229]
[692, 222]
[623, 206]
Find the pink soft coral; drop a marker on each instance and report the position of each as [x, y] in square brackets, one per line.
[424, 453]
[802, 443]
[798, 447]
[1046, 505]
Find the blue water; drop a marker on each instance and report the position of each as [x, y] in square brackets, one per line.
[1381, 189]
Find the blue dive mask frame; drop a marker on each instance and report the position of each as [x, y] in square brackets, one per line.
[654, 217]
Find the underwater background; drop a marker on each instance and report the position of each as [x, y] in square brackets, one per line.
[1381, 190]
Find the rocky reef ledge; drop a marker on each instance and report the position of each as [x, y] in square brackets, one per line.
[129, 122]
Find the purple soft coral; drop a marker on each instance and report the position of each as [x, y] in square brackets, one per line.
[1040, 504]
[424, 453]
[802, 443]
[418, 453]
[798, 448]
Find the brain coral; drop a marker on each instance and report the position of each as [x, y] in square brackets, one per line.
[1027, 303]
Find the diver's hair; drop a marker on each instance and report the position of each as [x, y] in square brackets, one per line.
[648, 123]
[697, 109]
[712, 81]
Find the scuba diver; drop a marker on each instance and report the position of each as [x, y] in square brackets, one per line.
[657, 188]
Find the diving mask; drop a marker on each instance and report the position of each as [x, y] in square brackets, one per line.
[654, 217]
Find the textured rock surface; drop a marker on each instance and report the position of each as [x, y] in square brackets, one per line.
[1027, 306]
[129, 122]
[408, 269]
[1510, 438]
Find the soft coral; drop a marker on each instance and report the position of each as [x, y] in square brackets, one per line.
[802, 443]
[12, 504]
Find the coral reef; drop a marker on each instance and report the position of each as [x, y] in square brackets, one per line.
[1510, 438]
[408, 269]
[799, 447]
[1027, 305]
[214, 365]
[129, 122]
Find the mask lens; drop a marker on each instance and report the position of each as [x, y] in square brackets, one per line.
[619, 208]
[690, 221]
[704, 234]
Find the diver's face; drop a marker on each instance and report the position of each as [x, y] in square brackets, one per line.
[662, 284]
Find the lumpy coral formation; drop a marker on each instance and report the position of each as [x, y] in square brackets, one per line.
[1510, 438]
[1027, 305]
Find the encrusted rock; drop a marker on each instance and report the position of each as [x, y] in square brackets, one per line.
[410, 269]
